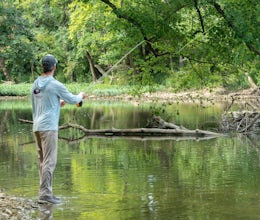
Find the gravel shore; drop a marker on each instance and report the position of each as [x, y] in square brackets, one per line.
[12, 207]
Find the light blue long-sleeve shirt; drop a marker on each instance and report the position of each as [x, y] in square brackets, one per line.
[46, 95]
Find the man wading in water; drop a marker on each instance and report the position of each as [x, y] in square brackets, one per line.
[48, 95]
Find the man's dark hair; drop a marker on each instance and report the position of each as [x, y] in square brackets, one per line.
[48, 63]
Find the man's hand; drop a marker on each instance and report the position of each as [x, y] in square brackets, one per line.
[62, 103]
[83, 94]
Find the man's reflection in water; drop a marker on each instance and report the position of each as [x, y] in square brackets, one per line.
[46, 211]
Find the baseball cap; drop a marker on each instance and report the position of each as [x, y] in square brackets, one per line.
[48, 62]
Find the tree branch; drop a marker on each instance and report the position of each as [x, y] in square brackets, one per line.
[200, 16]
[233, 27]
[121, 15]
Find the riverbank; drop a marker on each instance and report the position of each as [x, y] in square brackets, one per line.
[205, 96]
[99, 91]
[12, 207]
[191, 96]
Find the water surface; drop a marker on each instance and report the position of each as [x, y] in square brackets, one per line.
[130, 178]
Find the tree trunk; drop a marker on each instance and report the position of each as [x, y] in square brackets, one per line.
[5, 71]
[94, 71]
[131, 63]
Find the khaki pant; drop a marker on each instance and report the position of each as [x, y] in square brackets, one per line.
[47, 144]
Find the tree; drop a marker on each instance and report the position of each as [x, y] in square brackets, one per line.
[191, 30]
[179, 43]
[16, 48]
[242, 18]
[49, 23]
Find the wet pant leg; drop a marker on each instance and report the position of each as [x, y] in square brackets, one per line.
[47, 144]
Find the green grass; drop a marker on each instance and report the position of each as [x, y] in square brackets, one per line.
[21, 89]
[24, 89]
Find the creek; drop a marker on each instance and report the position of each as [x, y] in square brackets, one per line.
[129, 178]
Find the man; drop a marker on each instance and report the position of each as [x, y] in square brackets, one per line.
[48, 95]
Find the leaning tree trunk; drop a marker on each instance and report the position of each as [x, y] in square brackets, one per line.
[94, 71]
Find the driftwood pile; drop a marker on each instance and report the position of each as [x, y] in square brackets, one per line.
[245, 118]
[241, 121]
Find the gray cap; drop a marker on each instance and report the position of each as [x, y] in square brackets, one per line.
[48, 62]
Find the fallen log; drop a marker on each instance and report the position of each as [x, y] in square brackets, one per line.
[165, 129]
[141, 131]
[138, 138]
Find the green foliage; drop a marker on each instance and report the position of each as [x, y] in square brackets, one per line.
[245, 18]
[254, 71]
[195, 77]
[16, 47]
[235, 81]
[185, 45]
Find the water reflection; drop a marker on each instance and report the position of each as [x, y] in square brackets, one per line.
[46, 211]
[138, 178]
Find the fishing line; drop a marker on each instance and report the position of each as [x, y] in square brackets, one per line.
[132, 49]
[123, 57]
[189, 42]
[119, 61]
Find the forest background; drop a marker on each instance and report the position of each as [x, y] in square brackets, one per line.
[176, 44]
